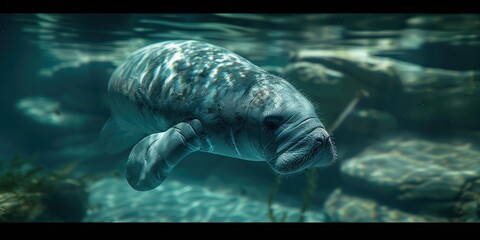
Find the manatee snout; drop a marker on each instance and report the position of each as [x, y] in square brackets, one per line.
[315, 149]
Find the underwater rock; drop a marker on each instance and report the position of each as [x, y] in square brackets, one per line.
[67, 200]
[435, 178]
[379, 77]
[334, 81]
[341, 207]
[376, 75]
[437, 99]
[322, 85]
[456, 22]
[424, 99]
[48, 111]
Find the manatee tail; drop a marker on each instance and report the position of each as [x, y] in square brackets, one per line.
[116, 137]
[153, 158]
[124, 128]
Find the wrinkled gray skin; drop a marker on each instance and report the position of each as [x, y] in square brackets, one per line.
[177, 97]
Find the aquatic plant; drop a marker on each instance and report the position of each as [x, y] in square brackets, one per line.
[17, 185]
[273, 192]
[30, 193]
[312, 178]
[312, 173]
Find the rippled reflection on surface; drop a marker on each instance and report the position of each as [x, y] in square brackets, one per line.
[82, 38]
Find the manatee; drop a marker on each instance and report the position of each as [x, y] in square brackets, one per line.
[173, 98]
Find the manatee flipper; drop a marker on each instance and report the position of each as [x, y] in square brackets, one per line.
[153, 158]
[114, 138]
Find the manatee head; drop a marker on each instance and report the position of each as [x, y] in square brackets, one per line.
[286, 130]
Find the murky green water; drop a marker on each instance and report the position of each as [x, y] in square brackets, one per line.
[399, 93]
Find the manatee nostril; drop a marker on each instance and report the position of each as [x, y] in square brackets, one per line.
[319, 140]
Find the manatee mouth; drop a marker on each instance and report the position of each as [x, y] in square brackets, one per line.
[311, 151]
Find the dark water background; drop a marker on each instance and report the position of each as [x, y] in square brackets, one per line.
[421, 72]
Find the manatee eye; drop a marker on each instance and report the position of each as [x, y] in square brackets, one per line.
[272, 122]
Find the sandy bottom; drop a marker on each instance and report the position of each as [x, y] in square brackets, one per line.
[185, 200]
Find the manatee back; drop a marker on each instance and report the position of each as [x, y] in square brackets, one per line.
[183, 78]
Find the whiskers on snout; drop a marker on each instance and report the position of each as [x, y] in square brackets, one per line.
[321, 153]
